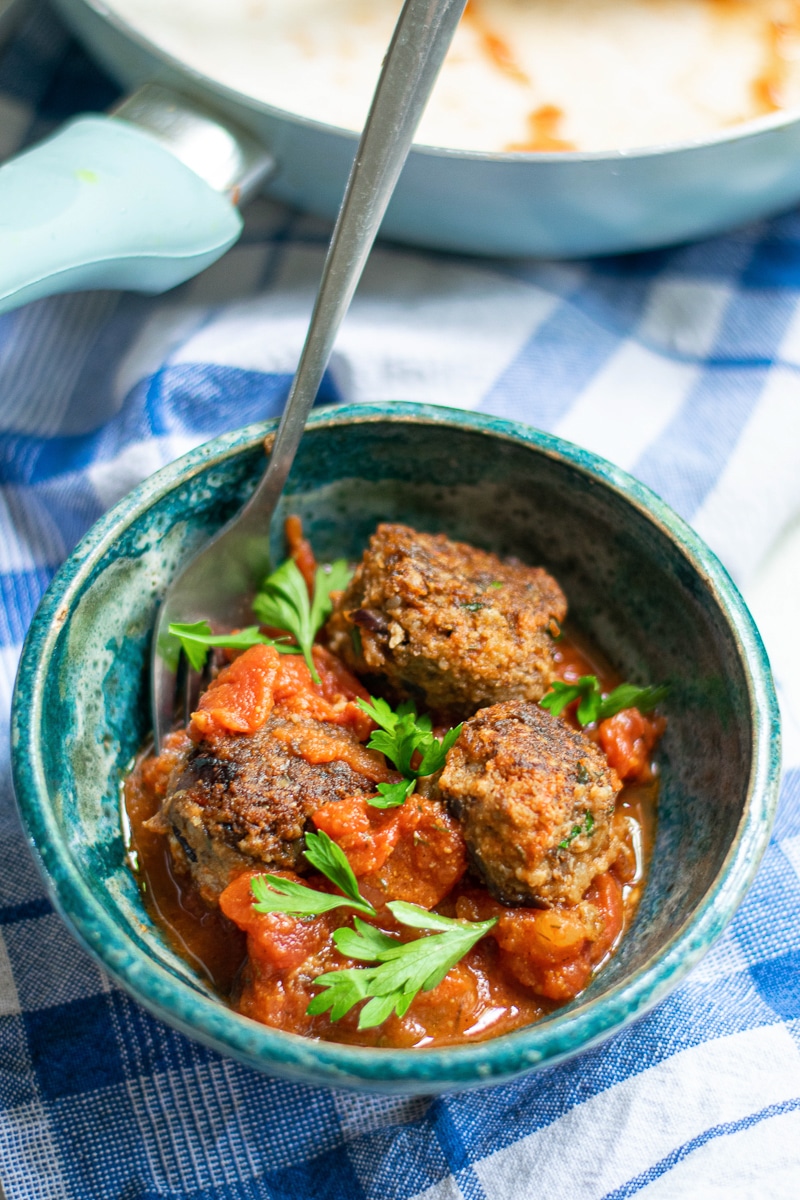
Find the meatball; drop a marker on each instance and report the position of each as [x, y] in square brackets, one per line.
[444, 624]
[536, 803]
[244, 802]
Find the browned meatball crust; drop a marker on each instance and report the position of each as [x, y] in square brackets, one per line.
[244, 802]
[444, 624]
[536, 802]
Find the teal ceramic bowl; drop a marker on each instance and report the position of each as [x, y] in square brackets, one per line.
[640, 584]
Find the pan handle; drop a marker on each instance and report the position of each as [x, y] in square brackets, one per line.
[105, 204]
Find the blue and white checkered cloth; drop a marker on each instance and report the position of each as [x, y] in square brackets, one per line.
[682, 366]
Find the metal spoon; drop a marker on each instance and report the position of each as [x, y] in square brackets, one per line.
[218, 583]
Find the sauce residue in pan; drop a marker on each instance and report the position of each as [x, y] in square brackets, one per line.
[619, 73]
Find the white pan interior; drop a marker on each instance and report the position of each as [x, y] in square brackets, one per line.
[534, 75]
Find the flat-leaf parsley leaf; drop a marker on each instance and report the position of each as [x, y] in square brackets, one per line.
[404, 968]
[196, 638]
[283, 603]
[273, 894]
[401, 735]
[392, 795]
[628, 695]
[593, 706]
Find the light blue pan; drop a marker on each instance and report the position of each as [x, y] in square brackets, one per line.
[564, 205]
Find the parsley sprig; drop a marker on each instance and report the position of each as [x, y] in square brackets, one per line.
[283, 603]
[593, 706]
[392, 795]
[402, 734]
[273, 894]
[403, 968]
[196, 638]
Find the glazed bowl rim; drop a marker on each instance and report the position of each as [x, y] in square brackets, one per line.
[331, 1063]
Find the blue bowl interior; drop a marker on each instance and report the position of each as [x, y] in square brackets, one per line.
[631, 588]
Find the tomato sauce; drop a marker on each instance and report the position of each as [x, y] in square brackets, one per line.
[265, 964]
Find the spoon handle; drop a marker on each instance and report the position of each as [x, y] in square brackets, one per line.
[419, 44]
[217, 584]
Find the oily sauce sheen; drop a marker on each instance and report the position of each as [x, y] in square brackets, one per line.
[481, 996]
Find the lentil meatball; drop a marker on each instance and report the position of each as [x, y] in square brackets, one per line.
[244, 802]
[445, 624]
[535, 799]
